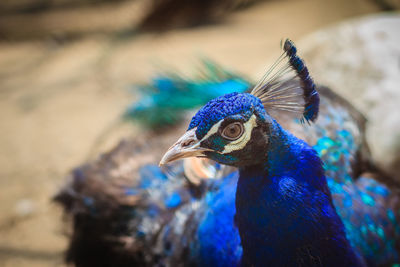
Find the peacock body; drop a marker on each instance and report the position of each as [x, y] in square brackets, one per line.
[284, 207]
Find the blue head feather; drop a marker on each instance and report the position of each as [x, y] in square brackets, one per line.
[243, 104]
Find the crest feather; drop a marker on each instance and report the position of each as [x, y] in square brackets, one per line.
[287, 86]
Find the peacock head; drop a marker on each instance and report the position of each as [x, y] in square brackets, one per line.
[234, 129]
[228, 129]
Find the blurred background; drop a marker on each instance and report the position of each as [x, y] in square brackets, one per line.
[68, 70]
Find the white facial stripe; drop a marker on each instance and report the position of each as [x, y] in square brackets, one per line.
[244, 139]
[212, 131]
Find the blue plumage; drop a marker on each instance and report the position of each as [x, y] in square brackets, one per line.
[283, 207]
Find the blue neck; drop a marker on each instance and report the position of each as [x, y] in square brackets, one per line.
[284, 210]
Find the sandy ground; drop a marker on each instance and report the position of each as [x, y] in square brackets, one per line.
[57, 98]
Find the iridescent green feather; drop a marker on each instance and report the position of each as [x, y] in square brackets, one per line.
[164, 101]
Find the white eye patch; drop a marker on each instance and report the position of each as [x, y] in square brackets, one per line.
[213, 130]
[236, 144]
[244, 139]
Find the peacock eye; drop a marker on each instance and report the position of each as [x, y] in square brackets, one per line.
[233, 131]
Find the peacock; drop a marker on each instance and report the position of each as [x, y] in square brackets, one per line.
[262, 182]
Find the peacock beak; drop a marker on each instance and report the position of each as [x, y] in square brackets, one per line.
[187, 146]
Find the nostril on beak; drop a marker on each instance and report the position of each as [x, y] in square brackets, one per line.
[187, 143]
